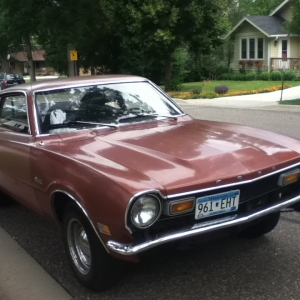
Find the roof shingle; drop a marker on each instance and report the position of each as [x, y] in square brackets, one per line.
[269, 24]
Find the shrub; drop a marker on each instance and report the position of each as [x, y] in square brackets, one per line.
[297, 77]
[197, 90]
[264, 76]
[226, 76]
[250, 76]
[238, 77]
[221, 89]
[289, 75]
[275, 76]
[208, 95]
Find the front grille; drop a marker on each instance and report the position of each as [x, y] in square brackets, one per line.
[250, 190]
[253, 195]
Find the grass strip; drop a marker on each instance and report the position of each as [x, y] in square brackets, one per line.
[290, 102]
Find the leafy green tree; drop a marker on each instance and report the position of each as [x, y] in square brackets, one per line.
[294, 25]
[19, 26]
[241, 8]
[156, 28]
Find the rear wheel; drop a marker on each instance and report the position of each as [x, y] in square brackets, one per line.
[90, 262]
[264, 226]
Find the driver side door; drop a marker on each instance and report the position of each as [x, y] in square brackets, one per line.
[15, 144]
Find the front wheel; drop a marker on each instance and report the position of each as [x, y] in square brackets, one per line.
[4, 199]
[264, 226]
[90, 262]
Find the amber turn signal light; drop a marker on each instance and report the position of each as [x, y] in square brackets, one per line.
[289, 177]
[104, 229]
[182, 206]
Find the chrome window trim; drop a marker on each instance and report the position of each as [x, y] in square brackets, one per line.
[79, 84]
[79, 204]
[173, 104]
[5, 94]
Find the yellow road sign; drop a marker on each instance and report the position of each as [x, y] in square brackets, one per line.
[73, 55]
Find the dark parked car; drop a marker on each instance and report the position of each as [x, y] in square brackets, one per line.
[9, 79]
[122, 169]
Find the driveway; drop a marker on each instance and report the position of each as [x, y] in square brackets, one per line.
[260, 101]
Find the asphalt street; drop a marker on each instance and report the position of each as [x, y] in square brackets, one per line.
[226, 268]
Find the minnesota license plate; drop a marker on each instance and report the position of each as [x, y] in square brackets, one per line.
[217, 204]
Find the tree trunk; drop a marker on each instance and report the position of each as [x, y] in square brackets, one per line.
[4, 60]
[31, 64]
[168, 72]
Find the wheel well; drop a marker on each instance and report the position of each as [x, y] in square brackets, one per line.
[59, 203]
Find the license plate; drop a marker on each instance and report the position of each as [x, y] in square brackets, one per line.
[217, 204]
[15, 82]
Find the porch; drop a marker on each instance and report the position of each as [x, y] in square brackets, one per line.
[279, 64]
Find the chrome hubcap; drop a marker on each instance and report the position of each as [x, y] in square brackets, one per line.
[79, 246]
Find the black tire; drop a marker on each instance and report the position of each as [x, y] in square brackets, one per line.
[296, 207]
[266, 225]
[90, 262]
[4, 199]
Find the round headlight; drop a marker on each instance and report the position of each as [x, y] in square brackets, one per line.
[145, 211]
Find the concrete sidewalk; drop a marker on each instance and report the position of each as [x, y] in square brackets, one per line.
[22, 278]
[259, 101]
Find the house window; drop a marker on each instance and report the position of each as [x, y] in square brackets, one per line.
[260, 48]
[244, 49]
[252, 48]
[284, 50]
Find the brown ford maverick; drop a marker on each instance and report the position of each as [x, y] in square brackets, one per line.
[122, 169]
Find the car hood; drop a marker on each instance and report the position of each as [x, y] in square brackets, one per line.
[185, 155]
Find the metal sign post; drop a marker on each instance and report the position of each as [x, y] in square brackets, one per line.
[73, 58]
[282, 77]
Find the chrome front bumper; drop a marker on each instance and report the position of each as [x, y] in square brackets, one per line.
[200, 228]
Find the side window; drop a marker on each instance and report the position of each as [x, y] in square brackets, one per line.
[13, 114]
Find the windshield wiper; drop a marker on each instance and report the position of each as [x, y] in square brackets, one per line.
[75, 123]
[132, 116]
[96, 123]
[144, 115]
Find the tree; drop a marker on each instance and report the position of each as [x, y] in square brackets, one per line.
[293, 26]
[239, 9]
[156, 28]
[19, 25]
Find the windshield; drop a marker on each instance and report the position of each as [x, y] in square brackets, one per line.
[75, 108]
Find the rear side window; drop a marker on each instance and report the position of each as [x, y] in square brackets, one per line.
[2, 76]
[13, 114]
[13, 76]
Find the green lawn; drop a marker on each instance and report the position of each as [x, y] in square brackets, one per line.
[234, 85]
[290, 102]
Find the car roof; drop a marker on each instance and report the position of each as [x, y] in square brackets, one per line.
[11, 74]
[74, 81]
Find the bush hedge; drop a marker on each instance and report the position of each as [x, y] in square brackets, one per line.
[266, 76]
